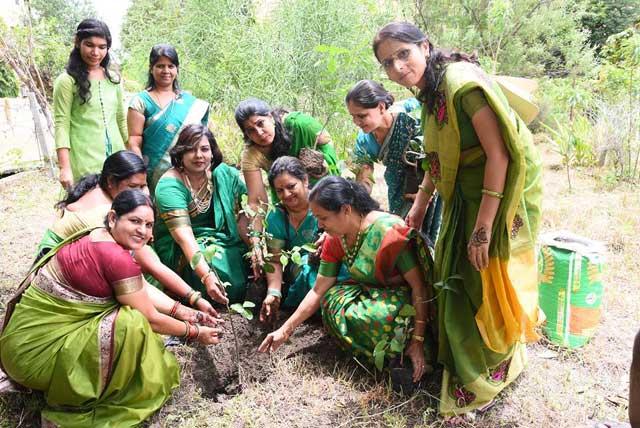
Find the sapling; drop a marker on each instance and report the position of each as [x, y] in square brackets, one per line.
[389, 346]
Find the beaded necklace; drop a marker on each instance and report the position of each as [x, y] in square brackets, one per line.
[201, 199]
[108, 147]
[350, 253]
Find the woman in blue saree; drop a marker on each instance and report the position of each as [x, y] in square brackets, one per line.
[158, 114]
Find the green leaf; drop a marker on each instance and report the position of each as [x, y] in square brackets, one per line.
[248, 315]
[378, 359]
[297, 258]
[210, 252]
[237, 307]
[399, 333]
[195, 260]
[268, 268]
[284, 260]
[407, 311]
[380, 346]
[396, 346]
[248, 304]
[310, 248]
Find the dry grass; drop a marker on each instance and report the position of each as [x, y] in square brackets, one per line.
[309, 383]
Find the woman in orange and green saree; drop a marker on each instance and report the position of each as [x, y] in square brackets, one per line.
[481, 159]
[82, 327]
[386, 262]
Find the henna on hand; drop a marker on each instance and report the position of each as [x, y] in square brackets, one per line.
[479, 237]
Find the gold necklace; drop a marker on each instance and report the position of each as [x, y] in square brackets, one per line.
[350, 253]
[200, 199]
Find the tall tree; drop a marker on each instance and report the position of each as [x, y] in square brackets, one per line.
[604, 18]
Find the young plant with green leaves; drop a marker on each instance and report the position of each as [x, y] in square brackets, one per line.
[390, 346]
[212, 251]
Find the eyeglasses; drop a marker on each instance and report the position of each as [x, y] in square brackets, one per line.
[402, 55]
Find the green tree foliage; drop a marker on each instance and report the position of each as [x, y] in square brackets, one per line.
[53, 23]
[604, 18]
[8, 82]
[305, 56]
[63, 16]
[517, 37]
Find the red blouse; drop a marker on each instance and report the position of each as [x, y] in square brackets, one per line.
[92, 267]
[332, 251]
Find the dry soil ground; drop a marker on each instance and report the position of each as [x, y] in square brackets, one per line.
[309, 383]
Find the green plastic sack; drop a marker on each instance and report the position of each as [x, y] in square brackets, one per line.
[570, 287]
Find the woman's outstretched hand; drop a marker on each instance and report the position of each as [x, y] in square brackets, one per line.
[269, 310]
[274, 340]
[415, 352]
[204, 306]
[257, 261]
[215, 289]
[209, 335]
[478, 247]
[197, 317]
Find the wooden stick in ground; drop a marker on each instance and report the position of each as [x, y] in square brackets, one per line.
[326, 122]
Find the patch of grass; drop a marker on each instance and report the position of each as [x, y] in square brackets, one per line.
[308, 383]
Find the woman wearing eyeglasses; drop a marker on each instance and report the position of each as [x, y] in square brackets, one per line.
[481, 159]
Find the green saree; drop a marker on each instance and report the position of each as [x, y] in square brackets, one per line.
[217, 226]
[98, 363]
[484, 317]
[162, 127]
[362, 310]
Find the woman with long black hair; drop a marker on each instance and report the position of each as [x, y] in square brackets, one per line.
[90, 123]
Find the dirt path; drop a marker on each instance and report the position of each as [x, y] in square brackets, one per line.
[309, 383]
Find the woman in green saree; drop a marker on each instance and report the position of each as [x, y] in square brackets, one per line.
[198, 203]
[82, 328]
[158, 114]
[387, 128]
[381, 254]
[481, 159]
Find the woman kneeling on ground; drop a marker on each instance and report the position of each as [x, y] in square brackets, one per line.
[291, 224]
[82, 327]
[198, 204]
[385, 259]
[85, 207]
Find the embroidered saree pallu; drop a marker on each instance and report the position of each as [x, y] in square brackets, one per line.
[484, 317]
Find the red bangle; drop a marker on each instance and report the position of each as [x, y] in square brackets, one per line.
[174, 309]
[186, 329]
[194, 331]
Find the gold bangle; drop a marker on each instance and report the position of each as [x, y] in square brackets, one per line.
[418, 338]
[205, 276]
[492, 193]
[420, 322]
[194, 298]
[424, 189]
